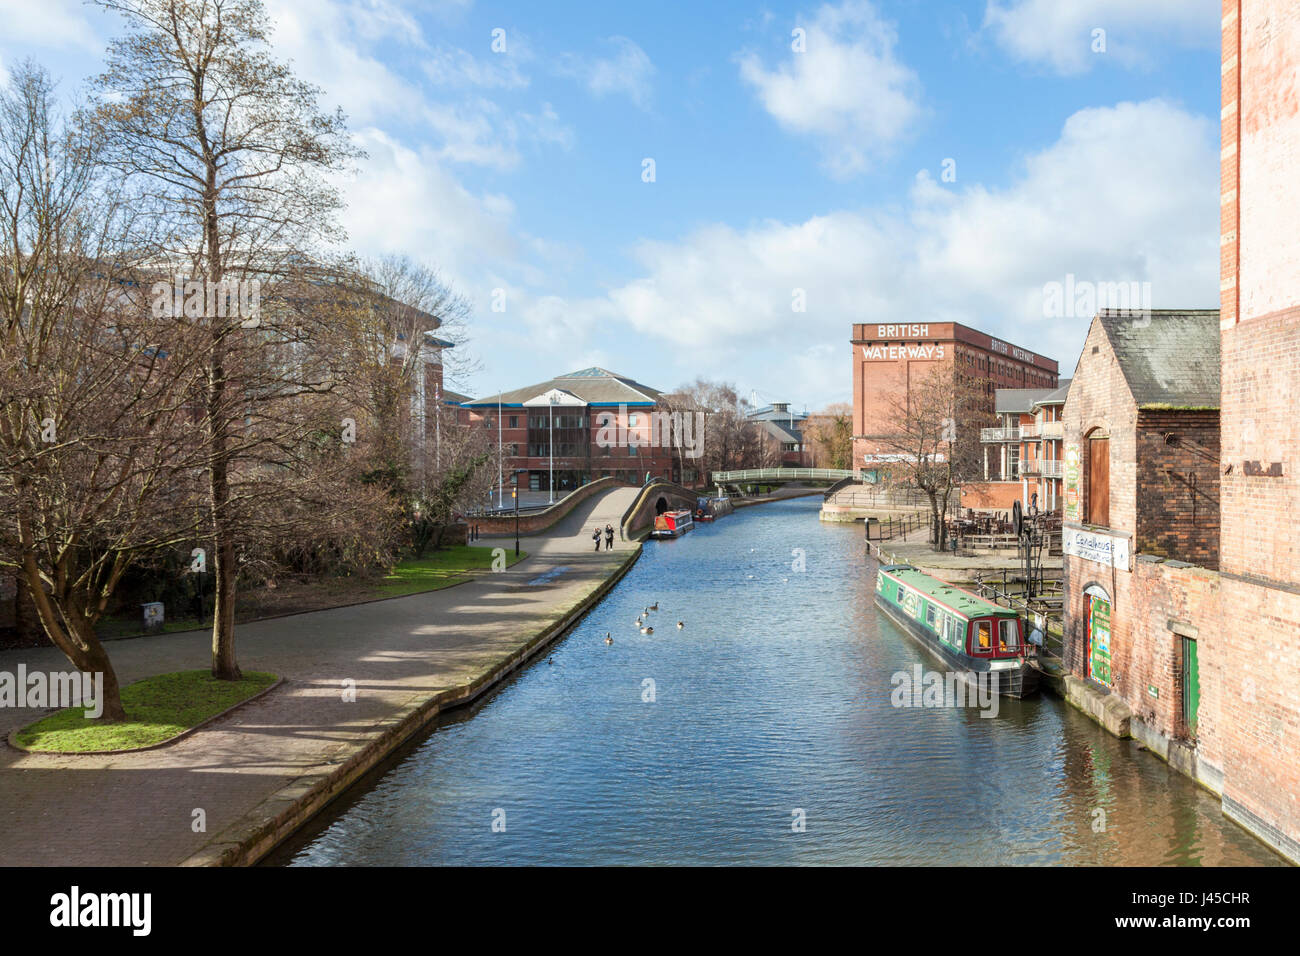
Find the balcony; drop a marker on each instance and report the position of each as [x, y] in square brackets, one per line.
[999, 434]
[1047, 468]
[1037, 431]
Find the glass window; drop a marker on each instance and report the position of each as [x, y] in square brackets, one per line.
[929, 615]
[982, 637]
[631, 419]
[1008, 636]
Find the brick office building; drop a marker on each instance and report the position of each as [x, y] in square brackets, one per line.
[889, 357]
[555, 427]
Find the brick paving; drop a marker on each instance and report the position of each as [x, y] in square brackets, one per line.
[137, 809]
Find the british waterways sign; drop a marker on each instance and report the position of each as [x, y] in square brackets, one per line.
[1108, 549]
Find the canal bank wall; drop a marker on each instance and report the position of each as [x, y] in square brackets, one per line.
[291, 808]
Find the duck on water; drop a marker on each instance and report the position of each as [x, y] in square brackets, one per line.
[964, 631]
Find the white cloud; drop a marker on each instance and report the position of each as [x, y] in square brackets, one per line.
[1126, 193]
[404, 200]
[847, 89]
[49, 24]
[455, 68]
[352, 51]
[1060, 36]
[628, 72]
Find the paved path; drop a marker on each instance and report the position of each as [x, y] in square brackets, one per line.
[138, 808]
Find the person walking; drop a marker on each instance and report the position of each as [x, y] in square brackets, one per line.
[595, 536]
[609, 537]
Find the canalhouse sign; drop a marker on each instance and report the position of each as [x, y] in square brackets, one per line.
[1111, 550]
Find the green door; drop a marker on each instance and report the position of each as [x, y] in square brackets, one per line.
[1191, 685]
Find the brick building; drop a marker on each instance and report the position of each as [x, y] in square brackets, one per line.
[1258, 748]
[1023, 456]
[888, 358]
[1203, 654]
[784, 429]
[555, 427]
[1141, 487]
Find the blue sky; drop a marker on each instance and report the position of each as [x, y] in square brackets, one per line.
[776, 171]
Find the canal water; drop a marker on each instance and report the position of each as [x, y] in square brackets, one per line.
[762, 733]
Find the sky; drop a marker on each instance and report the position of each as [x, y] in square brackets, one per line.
[814, 165]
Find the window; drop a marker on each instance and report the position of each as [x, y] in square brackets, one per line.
[1097, 492]
[929, 615]
[514, 421]
[982, 638]
[631, 419]
[1008, 636]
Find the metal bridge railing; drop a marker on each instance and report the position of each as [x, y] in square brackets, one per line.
[784, 474]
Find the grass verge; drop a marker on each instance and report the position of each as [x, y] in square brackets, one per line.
[441, 569]
[157, 709]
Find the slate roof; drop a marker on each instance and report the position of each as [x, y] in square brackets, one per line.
[769, 413]
[1171, 360]
[595, 386]
[1057, 396]
[1007, 400]
[782, 431]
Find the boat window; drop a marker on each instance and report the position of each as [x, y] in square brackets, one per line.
[982, 638]
[1008, 636]
[929, 615]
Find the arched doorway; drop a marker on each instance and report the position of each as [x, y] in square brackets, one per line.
[1096, 617]
[661, 505]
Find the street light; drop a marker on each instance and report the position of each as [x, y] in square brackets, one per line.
[515, 494]
[551, 448]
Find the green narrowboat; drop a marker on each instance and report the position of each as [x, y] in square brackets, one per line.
[964, 631]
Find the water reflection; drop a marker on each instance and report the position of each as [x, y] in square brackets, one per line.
[774, 699]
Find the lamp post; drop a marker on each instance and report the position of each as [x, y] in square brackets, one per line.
[515, 494]
[551, 450]
[501, 479]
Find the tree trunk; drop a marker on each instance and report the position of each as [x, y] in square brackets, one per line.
[82, 648]
[224, 666]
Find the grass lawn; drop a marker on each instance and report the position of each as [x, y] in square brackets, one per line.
[438, 569]
[157, 709]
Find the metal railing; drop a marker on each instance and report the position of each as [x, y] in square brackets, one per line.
[784, 474]
[999, 434]
[890, 527]
[1047, 609]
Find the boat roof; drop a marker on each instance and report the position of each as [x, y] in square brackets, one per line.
[953, 597]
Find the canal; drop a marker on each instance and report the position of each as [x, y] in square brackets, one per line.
[762, 733]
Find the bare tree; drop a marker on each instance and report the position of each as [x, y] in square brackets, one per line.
[395, 316]
[932, 429]
[731, 440]
[233, 155]
[830, 433]
[96, 445]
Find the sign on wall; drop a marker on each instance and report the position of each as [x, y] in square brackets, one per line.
[1072, 482]
[1109, 549]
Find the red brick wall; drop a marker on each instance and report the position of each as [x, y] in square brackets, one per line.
[1260, 319]
[880, 383]
[1100, 403]
[1178, 485]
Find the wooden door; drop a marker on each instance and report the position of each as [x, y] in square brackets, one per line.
[1098, 482]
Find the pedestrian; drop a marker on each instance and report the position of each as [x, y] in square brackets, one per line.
[595, 536]
[609, 537]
